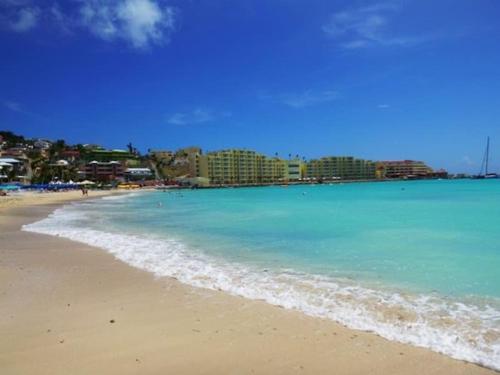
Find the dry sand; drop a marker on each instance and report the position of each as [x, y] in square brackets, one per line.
[32, 198]
[67, 308]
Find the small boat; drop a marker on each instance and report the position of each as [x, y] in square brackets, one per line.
[484, 165]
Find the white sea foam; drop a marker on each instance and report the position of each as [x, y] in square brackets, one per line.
[122, 196]
[461, 330]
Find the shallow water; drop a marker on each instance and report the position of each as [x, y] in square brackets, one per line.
[416, 261]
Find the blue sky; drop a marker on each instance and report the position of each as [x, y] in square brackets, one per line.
[379, 80]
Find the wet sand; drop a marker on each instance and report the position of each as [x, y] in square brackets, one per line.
[68, 308]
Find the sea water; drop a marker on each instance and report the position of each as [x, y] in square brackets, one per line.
[416, 261]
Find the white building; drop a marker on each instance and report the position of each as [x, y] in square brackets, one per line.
[138, 173]
[42, 144]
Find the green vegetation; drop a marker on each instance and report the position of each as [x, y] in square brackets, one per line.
[44, 161]
[12, 139]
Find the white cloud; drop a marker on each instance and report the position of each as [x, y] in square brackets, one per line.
[367, 27]
[13, 106]
[145, 21]
[99, 19]
[196, 116]
[353, 44]
[25, 19]
[141, 23]
[383, 106]
[303, 99]
[309, 98]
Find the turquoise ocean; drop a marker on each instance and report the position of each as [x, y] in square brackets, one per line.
[415, 261]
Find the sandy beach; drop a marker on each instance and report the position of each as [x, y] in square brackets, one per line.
[67, 308]
[33, 198]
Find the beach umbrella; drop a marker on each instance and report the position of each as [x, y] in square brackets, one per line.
[87, 182]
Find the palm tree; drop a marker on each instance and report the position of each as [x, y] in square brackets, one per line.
[11, 174]
[130, 147]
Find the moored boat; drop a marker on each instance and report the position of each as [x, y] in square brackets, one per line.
[484, 165]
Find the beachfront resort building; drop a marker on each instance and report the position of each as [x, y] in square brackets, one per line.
[138, 174]
[42, 144]
[271, 170]
[231, 167]
[103, 171]
[70, 155]
[102, 155]
[13, 169]
[241, 167]
[340, 168]
[15, 152]
[295, 169]
[404, 169]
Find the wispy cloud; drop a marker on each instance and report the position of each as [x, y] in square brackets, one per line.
[140, 23]
[196, 116]
[302, 99]
[19, 108]
[368, 27]
[383, 106]
[13, 106]
[24, 19]
[60, 19]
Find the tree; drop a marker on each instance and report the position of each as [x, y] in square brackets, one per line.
[33, 154]
[42, 173]
[11, 174]
[131, 149]
[11, 138]
[57, 148]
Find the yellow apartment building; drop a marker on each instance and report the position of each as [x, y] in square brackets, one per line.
[241, 167]
[341, 167]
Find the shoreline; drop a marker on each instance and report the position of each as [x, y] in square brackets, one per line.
[34, 198]
[63, 299]
[306, 183]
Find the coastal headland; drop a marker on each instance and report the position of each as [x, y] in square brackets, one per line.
[68, 308]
